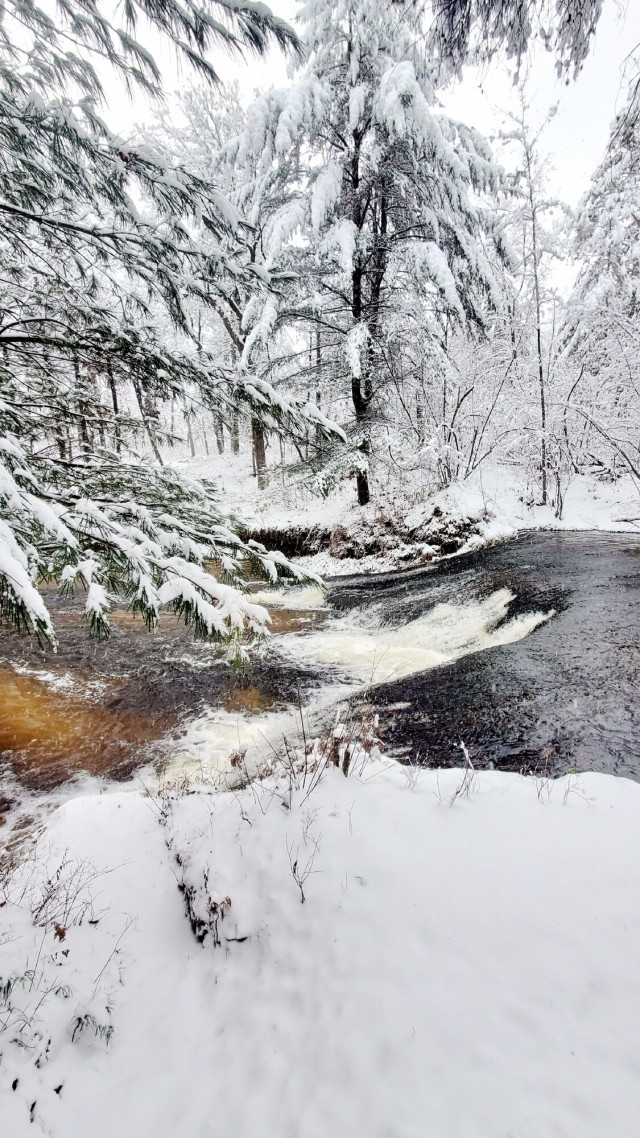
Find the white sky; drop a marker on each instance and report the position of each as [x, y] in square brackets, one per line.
[575, 139]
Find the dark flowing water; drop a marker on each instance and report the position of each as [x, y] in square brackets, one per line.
[565, 696]
[109, 708]
[568, 695]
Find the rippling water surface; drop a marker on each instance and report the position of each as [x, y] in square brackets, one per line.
[527, 652]
[565, 696]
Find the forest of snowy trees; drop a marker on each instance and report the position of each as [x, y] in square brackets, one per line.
[335, 264]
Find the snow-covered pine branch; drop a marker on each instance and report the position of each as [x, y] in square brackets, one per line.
[110, 253]
[385, 186]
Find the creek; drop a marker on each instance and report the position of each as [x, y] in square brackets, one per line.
[527, 652]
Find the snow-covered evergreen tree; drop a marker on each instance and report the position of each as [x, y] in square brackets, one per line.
[107, 252]
[239, 326]
[386, 186]
[478, 29]
[602, 331]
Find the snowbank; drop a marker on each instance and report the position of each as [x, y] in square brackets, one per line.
[464, 970]
[494, 504]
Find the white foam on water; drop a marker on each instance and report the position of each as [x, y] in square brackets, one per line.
[310, 597]
[210, 740]
[64, 681]
[445, 633]
[59, 682]
[363, 656]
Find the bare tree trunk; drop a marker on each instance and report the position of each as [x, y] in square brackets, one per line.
[235, 433]
[536, 288]
[259, 452]
[362, 476]
[420, 409]
[320, 440]
[190, 436]
[83, 432]
[103, 441]
[114, 400]
[219, 429]
[147, 425]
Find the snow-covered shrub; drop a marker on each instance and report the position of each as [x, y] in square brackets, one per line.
[49, 990]
[286, 783]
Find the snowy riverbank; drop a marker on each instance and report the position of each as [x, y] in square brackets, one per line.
[405, 525]
[467, 515]
[461, 966]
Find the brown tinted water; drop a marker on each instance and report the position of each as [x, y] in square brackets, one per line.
[51, 734]
[567, 695]
[109, 708]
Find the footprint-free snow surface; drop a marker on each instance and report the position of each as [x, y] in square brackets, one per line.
[462, 967]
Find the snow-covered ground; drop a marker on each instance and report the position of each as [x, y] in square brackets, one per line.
[462, 966]
[496, 498]
[498, 505]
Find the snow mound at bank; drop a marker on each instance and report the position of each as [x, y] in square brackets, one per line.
[464, 970]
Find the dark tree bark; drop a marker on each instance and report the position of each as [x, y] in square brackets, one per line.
[147, 425]
[114, 400]
[235, 433]
[259, 452]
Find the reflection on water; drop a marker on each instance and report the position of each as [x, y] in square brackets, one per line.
[247, 700]
[51, 728]
[566, 697]
[296, 620]
[106, 709]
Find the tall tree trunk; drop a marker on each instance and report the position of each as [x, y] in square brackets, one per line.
[219, 429]
[359, 390]
[192, 445]
[83, 431]
[319, 435]
[114, 400]
[420, 415]
[235, 433]
[359, 384]
[147, 425]
[362, 476]
[259, 452]
[538, 304]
